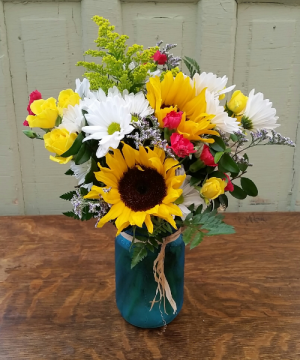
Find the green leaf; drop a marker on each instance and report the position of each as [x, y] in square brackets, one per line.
[197, 239]
[138, 254]
[75, 146]
[233, 137]
[187, 235]
[150, 247]
[199, 209]
[68, 196]
[218, 156]
[69, 172]
[223, 200]
[83, 191]
[71, 215]
[217, 174]
[229, 164]
[218, 145]
[238, 193]
[192, 66]
[91, 176]
[228, 150]
[83, 155]
[32, 135]
[58, 121]
[249, 187]
[194, 181]
[197, 165]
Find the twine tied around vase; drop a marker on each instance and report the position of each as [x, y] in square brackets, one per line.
[163, 287]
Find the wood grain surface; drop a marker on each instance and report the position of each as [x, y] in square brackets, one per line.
[57, 294]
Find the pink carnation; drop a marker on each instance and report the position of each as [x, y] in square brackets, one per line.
[160, 58]
[182, 147]
[207, 157]
[172, 119]
[229, 186]
[35, 95]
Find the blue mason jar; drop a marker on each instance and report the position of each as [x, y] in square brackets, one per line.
[136, 288]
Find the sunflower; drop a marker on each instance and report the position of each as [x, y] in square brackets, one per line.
[177, 94]
[139, 183]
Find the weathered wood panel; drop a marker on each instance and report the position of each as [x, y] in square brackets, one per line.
[10, 167]
[57, 294]
[267, 59]
[45, 41]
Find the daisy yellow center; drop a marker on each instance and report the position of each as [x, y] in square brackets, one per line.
[142, 190]
[113, 127]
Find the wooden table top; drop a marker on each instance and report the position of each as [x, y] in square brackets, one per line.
[57, 294]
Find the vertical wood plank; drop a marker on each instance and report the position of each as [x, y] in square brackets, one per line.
[10, 171]
[110, 9]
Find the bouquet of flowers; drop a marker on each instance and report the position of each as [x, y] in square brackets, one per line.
[153, 149]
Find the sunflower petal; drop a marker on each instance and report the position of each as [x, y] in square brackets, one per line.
[115, 211]
[149, 223]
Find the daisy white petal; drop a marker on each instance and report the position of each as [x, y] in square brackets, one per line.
[82, 87]
[81, 171]
[137, 104]
[259, 113]
[108, 121]
[222, 121]
[73, 119]
[212, 82]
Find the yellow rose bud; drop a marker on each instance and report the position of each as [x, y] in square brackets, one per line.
[58, 141]
[212, 188]
[238, 102]
[68, 97]
[45, 112]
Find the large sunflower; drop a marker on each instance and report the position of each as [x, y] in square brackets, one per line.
[138, 184]
[177, 94]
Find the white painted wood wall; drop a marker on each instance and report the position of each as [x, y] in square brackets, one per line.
[256, 43]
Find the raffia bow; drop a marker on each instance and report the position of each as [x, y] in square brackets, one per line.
[163, 288]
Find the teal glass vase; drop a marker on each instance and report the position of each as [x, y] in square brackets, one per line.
[136, 288]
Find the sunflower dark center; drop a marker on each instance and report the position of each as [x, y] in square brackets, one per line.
[142, 190]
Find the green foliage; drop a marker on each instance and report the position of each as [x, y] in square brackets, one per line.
[199, 225]
[249, 187]
[71, 215]
[75, 146]
[68, 196]
[116, 57]
[139, 252]
[229, 164]
[218, 156]
[83, 155]
[192, 66]
[238, 193]
[69, 172]
[32, 135]
[218, 145]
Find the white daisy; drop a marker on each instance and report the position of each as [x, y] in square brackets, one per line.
[188, 197]
[109, 121]
[73, 119]
[137, 104]
[82, 87]
[81, 171]
[212, 82]
[259, 113]
[222, 121]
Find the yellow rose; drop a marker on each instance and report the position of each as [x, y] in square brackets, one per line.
[68, 97]
[238, 102]
[45, 112]
[212, 188]
[58, 141]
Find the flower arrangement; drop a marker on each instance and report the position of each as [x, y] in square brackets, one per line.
[153, 150]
